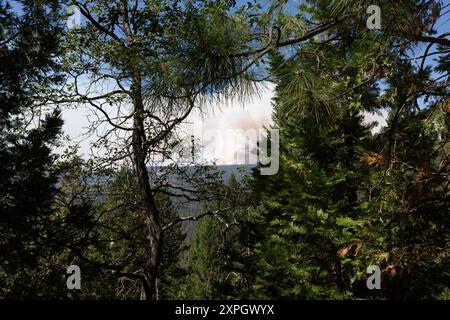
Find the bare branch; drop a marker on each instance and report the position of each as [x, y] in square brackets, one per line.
[193, 218]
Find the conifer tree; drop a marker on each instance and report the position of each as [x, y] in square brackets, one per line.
[342, 199]
[29, 42]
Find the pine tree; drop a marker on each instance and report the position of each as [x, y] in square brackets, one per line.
[345, 198]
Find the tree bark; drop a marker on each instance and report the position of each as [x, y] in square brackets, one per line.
[139, 151]
[151, 212]
[339, 276]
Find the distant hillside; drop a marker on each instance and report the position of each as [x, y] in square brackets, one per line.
[238, 170]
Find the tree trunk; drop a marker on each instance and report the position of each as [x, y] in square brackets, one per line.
[339, 276]
[151, 212]
[154, 237]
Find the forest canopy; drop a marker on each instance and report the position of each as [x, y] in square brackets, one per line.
[330, 203]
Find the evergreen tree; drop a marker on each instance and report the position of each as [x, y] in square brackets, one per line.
[342, 200]
[218, 266]
[28, 44]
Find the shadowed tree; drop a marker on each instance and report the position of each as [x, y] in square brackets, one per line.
[29, 41]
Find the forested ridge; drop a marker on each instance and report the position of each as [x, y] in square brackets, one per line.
[143, 218]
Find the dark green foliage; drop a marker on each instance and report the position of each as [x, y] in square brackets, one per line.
[345, 198]
[206, 262]
[28, 176]
[221, 263]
